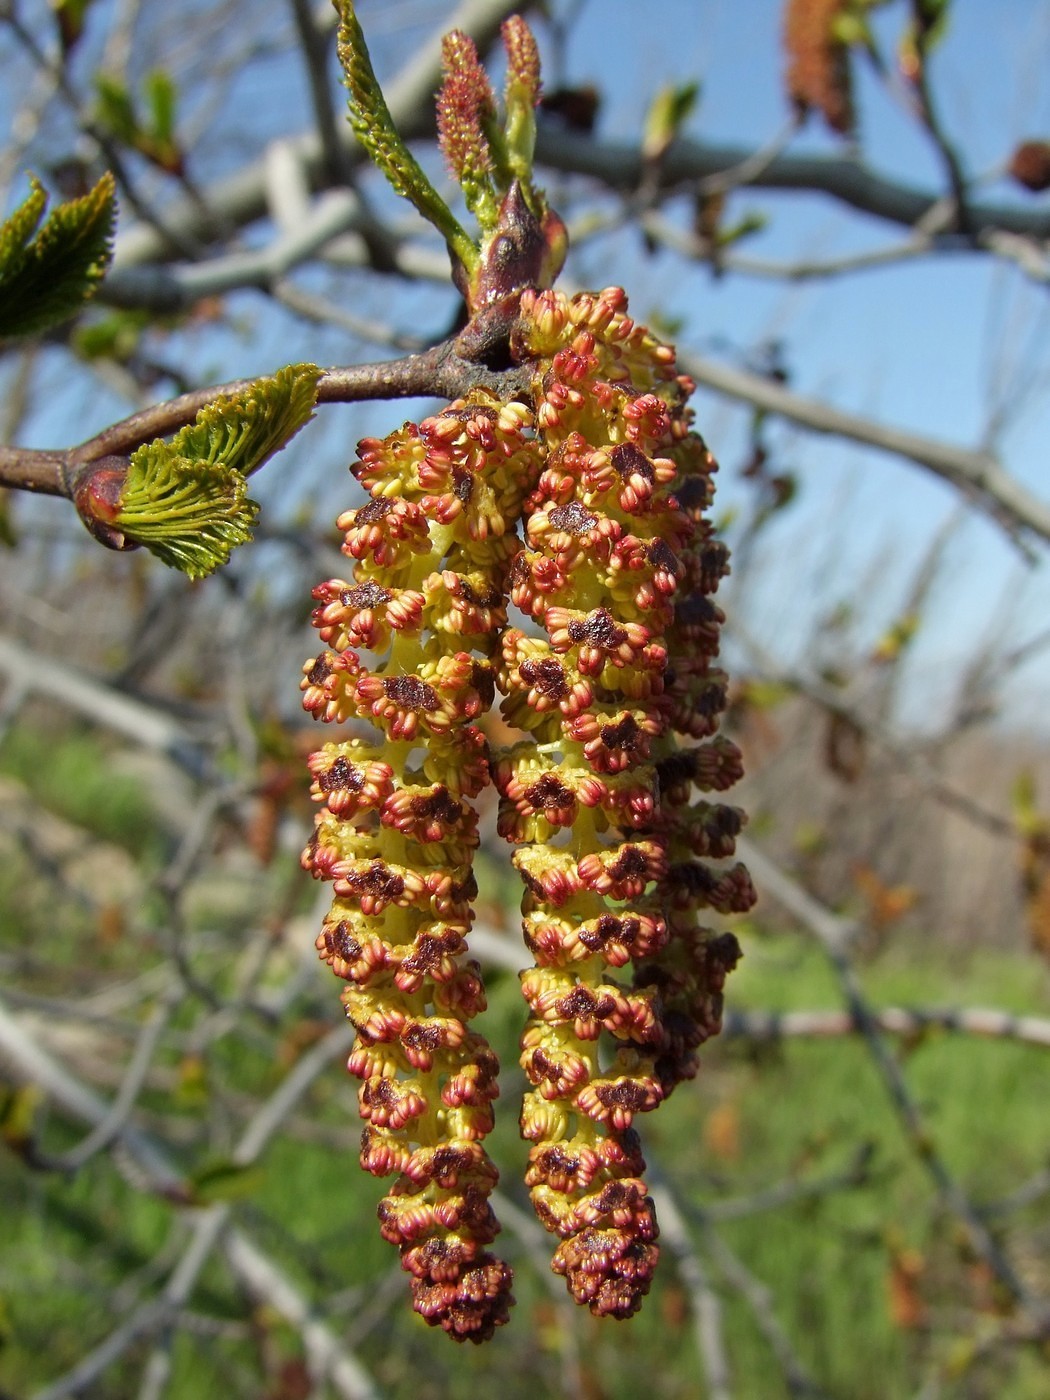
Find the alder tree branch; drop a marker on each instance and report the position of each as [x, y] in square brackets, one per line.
[440, 372]
[620, 165]
[837, 936]
[908, 1021]
[977, 474]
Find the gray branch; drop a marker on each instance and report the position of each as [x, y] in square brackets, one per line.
[977, 474]
[989, 1022]
[31, 1062]
[621, 166]
[837, 936]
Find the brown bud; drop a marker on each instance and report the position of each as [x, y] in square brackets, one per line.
[1030, 165]
[98, 489]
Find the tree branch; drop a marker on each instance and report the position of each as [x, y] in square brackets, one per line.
[620, 166]
[836, 936]
[977, 474]
[241, 198]
[440, 372]
[33, 1063]
[763, 1026]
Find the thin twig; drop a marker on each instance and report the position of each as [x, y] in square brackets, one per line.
[763, 1308]
[123, 1104]
[836, 936]
[536, 1243]
[908, 760]
[709, 1327]
[857, 1173]
[619, 164]
[329, 1358]
[764, 1026]
[439, 372]
[33, 1063]
[146, 724]
[978, 474]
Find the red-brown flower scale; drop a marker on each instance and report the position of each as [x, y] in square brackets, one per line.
[616, 571]
[396, 829]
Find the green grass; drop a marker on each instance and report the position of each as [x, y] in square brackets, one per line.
[72, 775]
[799, 1110]
[77, 1252]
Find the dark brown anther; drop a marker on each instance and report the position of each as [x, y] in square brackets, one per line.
[365, 595]
[573, 518]
[598, 628]
[411, 693]
[629, 460]
[377, 880]
[438, 804]
[342, 776]
[548, 791]
[340, 943]
[546, 676]
[321, 669]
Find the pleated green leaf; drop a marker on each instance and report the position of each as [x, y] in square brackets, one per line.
[186, 500]
[47, 273]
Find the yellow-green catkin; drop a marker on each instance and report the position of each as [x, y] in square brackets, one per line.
[408, 641]
[602, 798]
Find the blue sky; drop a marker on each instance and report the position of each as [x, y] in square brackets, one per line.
[926, 345]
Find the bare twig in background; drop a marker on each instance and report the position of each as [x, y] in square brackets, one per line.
[29, 1060]
[123, 1105]
[763, 1308]
[836, 937]
[703, 1299]
[896, 1020]
[144, 724]
[977, 474]
[619, 164]
[908, 758]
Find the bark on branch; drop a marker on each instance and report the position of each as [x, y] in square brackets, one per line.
[439, 373]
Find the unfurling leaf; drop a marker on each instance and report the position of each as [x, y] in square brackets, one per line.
[116, 111]
[159, 90]
[895, 640]
[668, 111]
[374, 127]
[46, 278]
[187, 500]
[152, 135]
